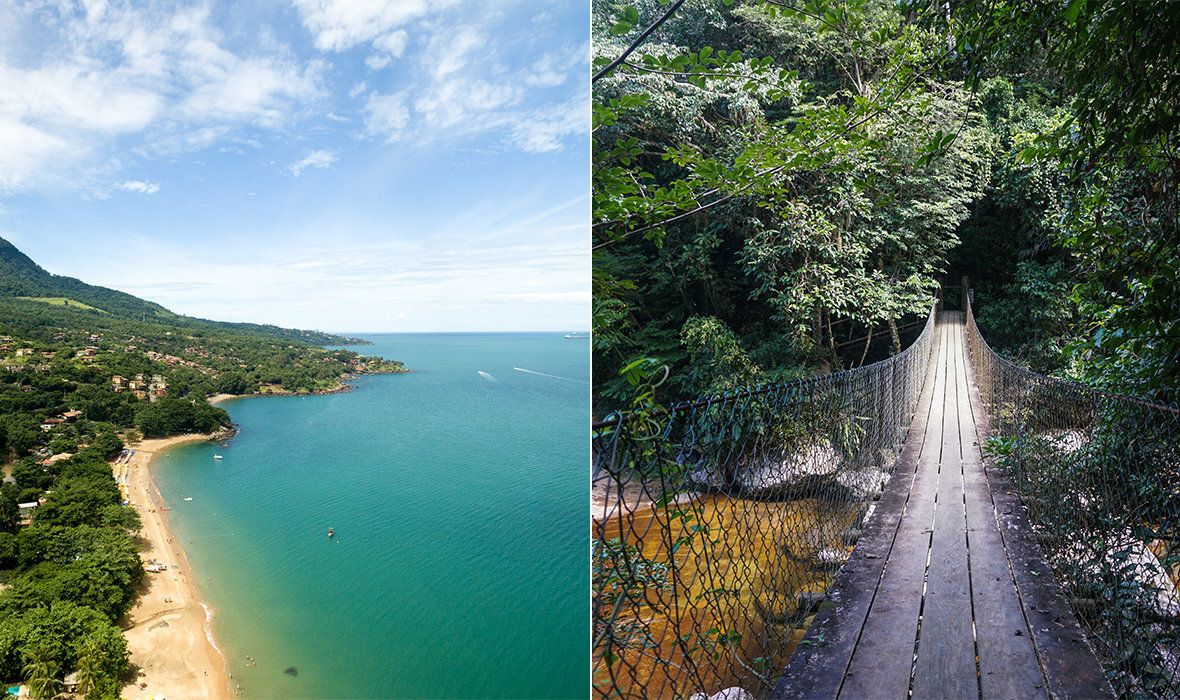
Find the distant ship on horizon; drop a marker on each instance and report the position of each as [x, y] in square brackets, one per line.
[582, 335]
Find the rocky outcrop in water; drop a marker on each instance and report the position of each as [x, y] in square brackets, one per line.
[812, 471]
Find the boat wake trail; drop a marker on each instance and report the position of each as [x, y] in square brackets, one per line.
[489, 377]
[551, 376]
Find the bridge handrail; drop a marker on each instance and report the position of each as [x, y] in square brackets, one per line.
[716, 518]
[1099, 475]
[618, 417]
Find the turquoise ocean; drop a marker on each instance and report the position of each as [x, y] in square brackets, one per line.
[458, 497]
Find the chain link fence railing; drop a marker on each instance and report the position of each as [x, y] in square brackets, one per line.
[718, 523]
[1100, 476]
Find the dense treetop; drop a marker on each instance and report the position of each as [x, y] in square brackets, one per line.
[778, 186]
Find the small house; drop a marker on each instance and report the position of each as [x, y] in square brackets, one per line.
[26, 511]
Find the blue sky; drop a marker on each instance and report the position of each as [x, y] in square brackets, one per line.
[344, 165]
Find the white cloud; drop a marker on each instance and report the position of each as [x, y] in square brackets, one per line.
[75, 95]
[315, 159]
[378, 61]
[464, 103]
[387, 116]
[139, 186]
[166, 77]
[88, 89]
[543, 130]
[342, 24]
[468, 84]
[393, 43]
[553, 69]
[450, 48]
[23, 149]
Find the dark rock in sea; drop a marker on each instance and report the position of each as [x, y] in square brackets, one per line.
[291, 671]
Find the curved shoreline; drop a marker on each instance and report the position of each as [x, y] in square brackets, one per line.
[168, 631]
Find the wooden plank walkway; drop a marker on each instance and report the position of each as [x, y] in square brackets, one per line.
[946, 594]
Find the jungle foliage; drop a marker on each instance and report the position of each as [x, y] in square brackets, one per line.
[785, 179]
[70, 573]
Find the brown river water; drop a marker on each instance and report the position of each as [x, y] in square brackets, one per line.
[726, 614]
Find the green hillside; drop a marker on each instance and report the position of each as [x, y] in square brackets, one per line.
[21, 277]
[63, 301]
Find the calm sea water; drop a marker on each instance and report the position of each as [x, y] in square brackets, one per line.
[458, 497]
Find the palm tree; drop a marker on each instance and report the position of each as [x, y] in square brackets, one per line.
[40, 674]
[89, 666]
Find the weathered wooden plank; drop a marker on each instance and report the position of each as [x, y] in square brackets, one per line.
[818, 666]
[945, 666]
[1008, 664]
[1064, 654]
[882, 662]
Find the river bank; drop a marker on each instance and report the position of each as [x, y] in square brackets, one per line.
[168, 631]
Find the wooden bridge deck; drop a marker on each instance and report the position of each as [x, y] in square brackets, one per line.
[946, 594]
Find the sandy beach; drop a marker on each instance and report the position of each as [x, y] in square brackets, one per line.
[166, 630]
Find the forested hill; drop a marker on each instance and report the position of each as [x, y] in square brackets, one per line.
[119, 363]
[20, 276]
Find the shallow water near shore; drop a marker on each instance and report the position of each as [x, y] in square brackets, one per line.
[457, 495]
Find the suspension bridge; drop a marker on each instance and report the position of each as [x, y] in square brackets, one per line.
[847, 536]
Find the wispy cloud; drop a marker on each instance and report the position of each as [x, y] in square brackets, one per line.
[544, 130]
[467, 71]
[378, 61]
[343, 24]
[165, 76]
[387, 116]
[207, 114]
[138, 186]
[315, 159]
[374, 284]
[553, 69]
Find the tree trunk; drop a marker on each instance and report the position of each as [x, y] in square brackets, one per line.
[895, 336]
[831, 335]
[868, 341]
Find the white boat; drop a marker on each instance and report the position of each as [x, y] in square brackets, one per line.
[216, 456]
[580, 335]
[188, 498]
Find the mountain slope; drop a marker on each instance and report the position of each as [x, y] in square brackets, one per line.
[20, 276]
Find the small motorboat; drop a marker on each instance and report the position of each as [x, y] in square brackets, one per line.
[216, 456]
[329, 532]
